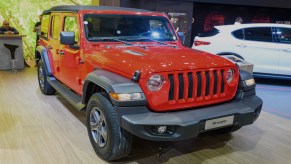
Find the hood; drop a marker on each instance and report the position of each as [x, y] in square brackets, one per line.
[154, 59]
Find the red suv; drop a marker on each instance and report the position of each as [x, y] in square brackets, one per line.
[128, 69]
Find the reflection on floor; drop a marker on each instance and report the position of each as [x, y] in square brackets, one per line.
[46, 129]
[276, 95]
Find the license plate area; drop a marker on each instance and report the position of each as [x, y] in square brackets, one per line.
[219, 122]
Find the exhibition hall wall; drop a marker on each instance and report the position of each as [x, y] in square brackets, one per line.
[23, 14]
[208, 15]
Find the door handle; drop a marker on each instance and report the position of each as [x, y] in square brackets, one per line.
[80, 60]
[61, 52]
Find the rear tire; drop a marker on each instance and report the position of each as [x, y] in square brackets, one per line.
[44, 86]
[108, 139]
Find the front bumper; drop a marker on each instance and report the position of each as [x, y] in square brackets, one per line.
[189, 123]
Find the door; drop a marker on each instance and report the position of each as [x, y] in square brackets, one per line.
[259, 49]
[70, 56]
[54, 41]
[284, 46]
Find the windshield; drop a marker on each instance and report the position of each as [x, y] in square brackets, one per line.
[129, 27]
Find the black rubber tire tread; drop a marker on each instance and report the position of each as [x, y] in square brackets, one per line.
[47, 89]
[119, 141]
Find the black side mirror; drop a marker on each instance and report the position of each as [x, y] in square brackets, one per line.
[181, 36]
[67, 38]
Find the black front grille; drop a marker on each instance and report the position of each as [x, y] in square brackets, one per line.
[207, 83]
[196, 84]
[190, 86]
[215, 82]
[172, 85]
[199, 82]
[222, 81]
[181, 86]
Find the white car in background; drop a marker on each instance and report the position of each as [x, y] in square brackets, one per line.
[267, 46]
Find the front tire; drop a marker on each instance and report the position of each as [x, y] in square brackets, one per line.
[108, 139]
[44, 86]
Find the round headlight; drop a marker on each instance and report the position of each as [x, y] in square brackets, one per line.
[155, 83]
[229, 75]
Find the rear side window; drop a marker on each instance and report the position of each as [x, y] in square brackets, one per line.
[284, 35]
[56, 26]
[239, 34]
[209, 33]
[263, 34]
[45, 25]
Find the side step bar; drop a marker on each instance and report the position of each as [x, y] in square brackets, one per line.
[69, 95]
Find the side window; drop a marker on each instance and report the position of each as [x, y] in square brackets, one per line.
[263, 34]
[45, 25]
[56, 27]
[284, 35]
[71, 25]
[239, 34]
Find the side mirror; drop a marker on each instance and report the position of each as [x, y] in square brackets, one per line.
[181, 36]
[67, 38]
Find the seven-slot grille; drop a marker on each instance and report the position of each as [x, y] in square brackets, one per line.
[196, 84]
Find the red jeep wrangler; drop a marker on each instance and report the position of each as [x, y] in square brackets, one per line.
[128, 69]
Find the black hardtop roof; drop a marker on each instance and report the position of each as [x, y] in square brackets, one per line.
[77, 8]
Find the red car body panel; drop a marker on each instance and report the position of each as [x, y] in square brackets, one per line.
[157, 59]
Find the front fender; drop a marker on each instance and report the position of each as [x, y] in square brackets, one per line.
[114, 83]
[45, 59]
[243, 90]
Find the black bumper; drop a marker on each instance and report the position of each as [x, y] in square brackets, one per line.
[188, 123]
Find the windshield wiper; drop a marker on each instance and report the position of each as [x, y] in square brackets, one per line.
[125, 42]
[126, 38]
[116, 39]
[163, 43]
[110, 39]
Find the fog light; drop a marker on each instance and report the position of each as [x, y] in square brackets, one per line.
[162, 129]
